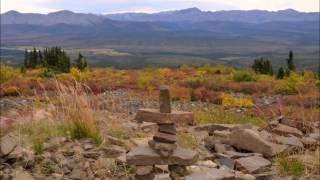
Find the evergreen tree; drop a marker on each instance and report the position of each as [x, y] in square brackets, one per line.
[41, 62]
[319, 71]
[33, 58]
[26, 60]
[291, 66]
[52, 58]
[81, 62]
[56, 59]
[281, 73]
[262, 66]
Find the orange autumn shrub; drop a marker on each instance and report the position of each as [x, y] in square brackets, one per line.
[180, 93]
[10, 91]
[205, 95]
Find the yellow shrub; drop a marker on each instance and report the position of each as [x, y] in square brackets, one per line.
[289, 84]
[79, 75]
[165, 72]
[220, 69]
[145, 81]
[7, 72]
[230, 101]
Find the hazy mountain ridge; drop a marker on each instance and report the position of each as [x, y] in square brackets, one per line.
[65, 17]
[185, 15]
[196, 15]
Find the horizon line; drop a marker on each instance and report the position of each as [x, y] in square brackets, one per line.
[155, 12]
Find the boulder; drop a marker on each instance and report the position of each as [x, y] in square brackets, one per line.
[308, 142]
[212, 174]
[245, 126]
[177, 170]
[207, 163]
[210, 142]
[265, 135]
[162, 177]
[315, 135]
[8, 144]
[154, 115]
[252, 164]
[291, 141]
[220, 148]
[22, 175]
[250, 140]
[140, 141]
[114, 140]
[150, 176]
[242, 176]
[144, 155]
[284, 130]
[196, 169]
[222, 136]
[78, 174]
[302, 126]
[113, 150]
[235, 155]
[228, 162]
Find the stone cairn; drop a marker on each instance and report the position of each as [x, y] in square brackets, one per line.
[162, 149]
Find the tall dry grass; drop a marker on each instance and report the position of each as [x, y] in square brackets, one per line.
[73, 106]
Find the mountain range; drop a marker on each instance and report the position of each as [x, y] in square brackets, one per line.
[169, 38]
[185, 15]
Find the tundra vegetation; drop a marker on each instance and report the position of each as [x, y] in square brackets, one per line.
[52, 103]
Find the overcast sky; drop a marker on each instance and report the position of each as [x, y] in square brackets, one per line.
[149, 6]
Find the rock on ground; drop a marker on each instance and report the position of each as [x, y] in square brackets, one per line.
[212, 174]
[144, 155]
[250, 140]
[253, 164]
[287, 130]
[8, 144]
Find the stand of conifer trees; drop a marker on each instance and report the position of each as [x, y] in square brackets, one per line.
[263, 66]
[54, 59]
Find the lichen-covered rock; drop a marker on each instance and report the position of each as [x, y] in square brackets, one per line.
[250, 140]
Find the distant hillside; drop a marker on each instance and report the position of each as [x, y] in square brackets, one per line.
[169, 38]
[196, 15]
[60, 17]
[185, 15]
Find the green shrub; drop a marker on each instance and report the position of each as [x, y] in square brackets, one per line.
[78, 129]
[244, 76]
[38, 146]
[220, 116]
[290, 166]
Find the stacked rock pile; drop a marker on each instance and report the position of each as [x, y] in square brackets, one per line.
[162, 149]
